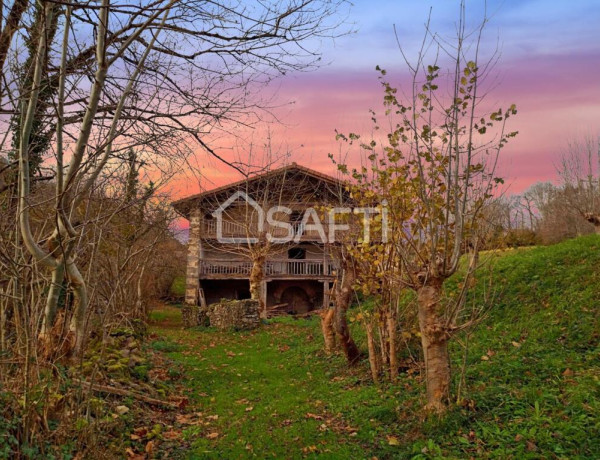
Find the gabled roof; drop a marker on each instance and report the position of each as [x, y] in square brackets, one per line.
[184, 205]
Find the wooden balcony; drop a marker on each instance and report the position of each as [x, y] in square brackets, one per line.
[229, 229]
[274, 269]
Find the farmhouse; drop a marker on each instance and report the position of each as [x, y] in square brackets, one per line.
[271, 230]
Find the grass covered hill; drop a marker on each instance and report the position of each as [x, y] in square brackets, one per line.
[532, 381]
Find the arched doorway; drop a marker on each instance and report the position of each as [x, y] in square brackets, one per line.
[297, 299]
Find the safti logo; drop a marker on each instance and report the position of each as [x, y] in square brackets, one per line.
[287, 230]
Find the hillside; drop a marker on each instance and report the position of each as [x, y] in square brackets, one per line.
[532, 382]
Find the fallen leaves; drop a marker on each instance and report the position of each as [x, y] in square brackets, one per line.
[393, 441]
[149, 447]
[132, 455]
[488, 355]
[189, 419]
[121, 410]
[172, 435]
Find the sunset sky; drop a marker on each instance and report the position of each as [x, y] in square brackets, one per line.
[549, 67]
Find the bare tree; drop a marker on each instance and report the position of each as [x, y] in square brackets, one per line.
[163, 73]
[580, 174]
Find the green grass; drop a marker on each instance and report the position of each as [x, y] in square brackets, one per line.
[272, 393]
[178, 287]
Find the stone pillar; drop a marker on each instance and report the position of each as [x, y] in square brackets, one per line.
[192, 282]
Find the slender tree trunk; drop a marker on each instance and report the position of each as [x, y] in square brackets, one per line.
[383, 348]
[77, 325]
[391, 329]
[4, 302]
[11, 26]
[343, 298]
[139, 300]
[373, 358]
[56, 285]
[327, 317]
[434, 339]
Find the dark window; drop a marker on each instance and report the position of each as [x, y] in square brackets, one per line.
[296, 253]
[296, 216]
[296, 220]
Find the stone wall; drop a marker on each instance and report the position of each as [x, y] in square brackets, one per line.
[234, 314]
[193, 315]
[225, 315]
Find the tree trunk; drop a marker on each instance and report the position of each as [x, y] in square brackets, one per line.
[434, 339]
[257, 276]
[46, 340]
[77, 325]
[343, 298]
[327, 317]
[373, 358]
[11, 26]
[391, 329]
[141, 309]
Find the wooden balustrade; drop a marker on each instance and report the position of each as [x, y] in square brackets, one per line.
[273, 268]
[231, 229]
[225, 267]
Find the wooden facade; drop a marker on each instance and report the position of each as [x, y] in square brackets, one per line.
[297, 273]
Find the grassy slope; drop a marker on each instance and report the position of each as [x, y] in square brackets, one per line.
[537, 395]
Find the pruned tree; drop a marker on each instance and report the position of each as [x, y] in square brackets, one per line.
[436, 169]
[343, 297]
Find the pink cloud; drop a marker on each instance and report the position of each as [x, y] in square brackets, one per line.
[558, 98]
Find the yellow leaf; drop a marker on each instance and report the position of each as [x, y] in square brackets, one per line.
[393, 441]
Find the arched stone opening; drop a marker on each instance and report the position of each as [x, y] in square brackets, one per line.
[297, 299]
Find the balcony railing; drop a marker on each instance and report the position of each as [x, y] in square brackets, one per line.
[230, 229]
[225, 267]
[273, 268]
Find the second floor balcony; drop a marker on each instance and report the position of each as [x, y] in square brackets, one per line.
[273, 269]
[229, 229]
[209, 229]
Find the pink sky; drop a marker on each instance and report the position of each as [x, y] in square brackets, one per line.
[557, 97]
[550, 67]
